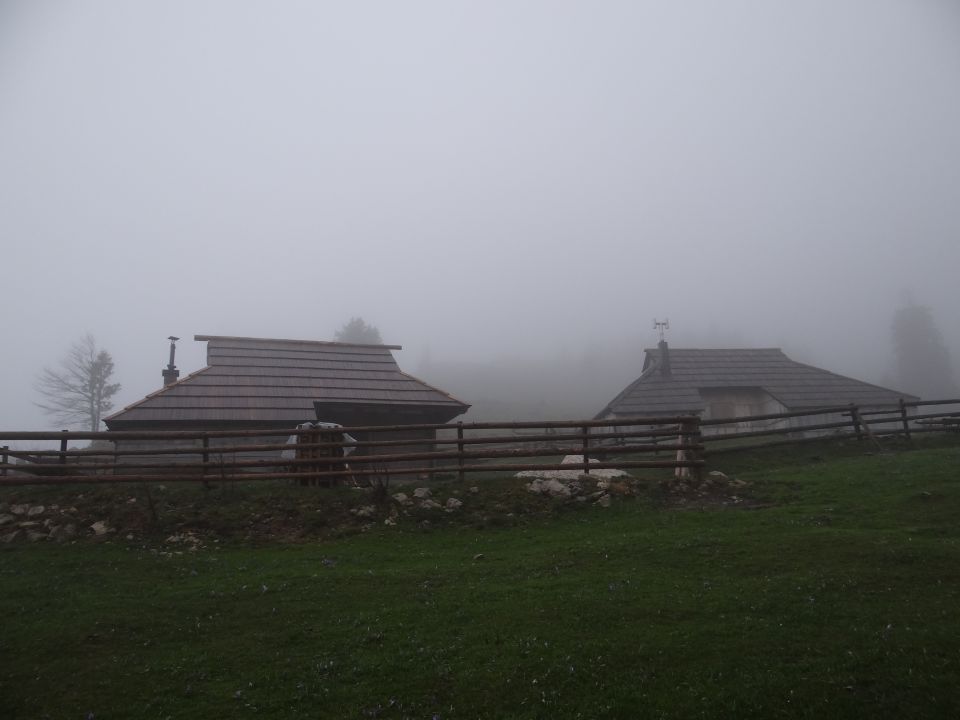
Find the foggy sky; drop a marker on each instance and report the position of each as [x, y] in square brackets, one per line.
[483, 181]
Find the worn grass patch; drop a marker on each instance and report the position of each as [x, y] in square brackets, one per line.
[837, 599]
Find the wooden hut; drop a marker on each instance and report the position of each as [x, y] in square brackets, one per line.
[263, 383]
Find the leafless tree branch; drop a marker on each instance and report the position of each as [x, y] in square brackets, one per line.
[79, 391]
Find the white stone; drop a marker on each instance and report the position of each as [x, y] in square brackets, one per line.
[100, 527]
[603, 501]
[453, 504]
[552, 487]
[422, 493]
[571, 474]
[6, 520]
[35, 510]
[402, 499]
[429, 504]
[19, 509]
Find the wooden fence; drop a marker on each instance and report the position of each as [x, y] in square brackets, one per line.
[854, 422]
[680, 443]
[256, 454]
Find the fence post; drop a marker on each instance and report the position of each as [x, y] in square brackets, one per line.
[460, 451]
[6, 459]
[586, 449]
[904, 420]
[855, 421]
[63, 450]
[679, 472]
[697, 438]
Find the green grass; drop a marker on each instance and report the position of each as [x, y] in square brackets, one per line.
[836, 595]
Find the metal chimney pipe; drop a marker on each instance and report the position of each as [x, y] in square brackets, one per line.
[170, 373]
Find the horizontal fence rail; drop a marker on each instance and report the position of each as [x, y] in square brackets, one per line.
[371, 453]
[837, 422]
[377, 453]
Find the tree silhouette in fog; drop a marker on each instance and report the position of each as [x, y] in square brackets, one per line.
[358, 331]
[923, 360]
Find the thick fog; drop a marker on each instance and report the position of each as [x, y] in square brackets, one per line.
[510, 190]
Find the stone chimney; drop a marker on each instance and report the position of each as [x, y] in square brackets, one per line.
[664, 358]
[170, 372]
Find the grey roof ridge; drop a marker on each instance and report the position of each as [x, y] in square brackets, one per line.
[466, 406]
[156, 393]
[905, 396]
[710, 349]
[204, 338]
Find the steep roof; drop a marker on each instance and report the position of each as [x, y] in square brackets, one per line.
[795, 385]
[277, 381]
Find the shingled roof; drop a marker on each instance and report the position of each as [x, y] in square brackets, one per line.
[794, 385]
[262, 380]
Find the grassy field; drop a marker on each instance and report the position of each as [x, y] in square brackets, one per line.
[833, 590]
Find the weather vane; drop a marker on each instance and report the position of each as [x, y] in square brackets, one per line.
[661, 326]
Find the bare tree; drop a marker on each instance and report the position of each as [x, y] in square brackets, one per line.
[357, 331]
[80, 390]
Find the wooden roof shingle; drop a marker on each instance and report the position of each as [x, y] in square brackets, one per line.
[253, 380]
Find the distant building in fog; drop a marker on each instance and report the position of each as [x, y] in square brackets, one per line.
[720, 384]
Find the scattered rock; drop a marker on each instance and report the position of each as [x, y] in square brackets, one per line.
[478, 556]
[11, 536]
[718, 475]
[392, 520]
[453, 504]
[604, 501]
[6, 520]
[36, 510]
[422, 493]
[19, 509]
[34, 536]
[402, 499]
[572, 474]
[474, 489]
[553, 488]
[184, 537]
[26, 524]
[100, 527]
[62, 533]
[429, 504]
[364, 511]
